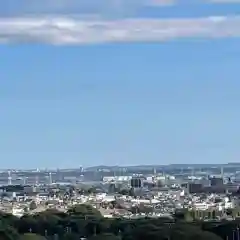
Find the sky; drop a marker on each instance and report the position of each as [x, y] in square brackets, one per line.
[119, 82]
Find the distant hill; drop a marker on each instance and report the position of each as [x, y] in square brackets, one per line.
[148, 167]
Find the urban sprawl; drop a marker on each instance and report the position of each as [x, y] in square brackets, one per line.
[197, 193]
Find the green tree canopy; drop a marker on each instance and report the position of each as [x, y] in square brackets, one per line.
[105, 236]
[32, 205]
[7, 232]
[31, 236]
[84, 210]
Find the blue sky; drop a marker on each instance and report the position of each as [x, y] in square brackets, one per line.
[154, 83]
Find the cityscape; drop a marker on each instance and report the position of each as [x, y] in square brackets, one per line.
[206, 193]
[119, 120]
[160, 189]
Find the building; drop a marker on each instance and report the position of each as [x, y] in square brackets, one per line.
[193, 187]
[216, 181]
[112, 188]
[136, 182]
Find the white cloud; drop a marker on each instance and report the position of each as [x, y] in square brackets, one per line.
[53, 30]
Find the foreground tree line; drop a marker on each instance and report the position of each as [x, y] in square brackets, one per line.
[85, 222]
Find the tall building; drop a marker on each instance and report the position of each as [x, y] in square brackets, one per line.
[136, 182]
[112, 188]
[216, 181]
[192, 187]
[195, 187]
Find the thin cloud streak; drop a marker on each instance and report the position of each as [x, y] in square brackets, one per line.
[107, 8]
[104, 7]
[223, 1]
[76, 31]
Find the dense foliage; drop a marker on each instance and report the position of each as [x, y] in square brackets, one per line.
[83, 221]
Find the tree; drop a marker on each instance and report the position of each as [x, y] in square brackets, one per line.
[48, 221]
[124, 192]
[188, 217]
[105, 236]
[85, 211]
[180, 214]
[71, 236]
[32, 205]
[7, 232]
[31, 236]
[188, 231]
[8, 219]
[27, 223]
[146, 231]
[84, 221]
[203, 235]
[91, 190]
